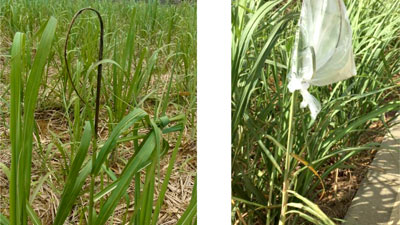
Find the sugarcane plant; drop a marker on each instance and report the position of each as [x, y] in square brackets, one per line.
[282, 155]
[149, 146]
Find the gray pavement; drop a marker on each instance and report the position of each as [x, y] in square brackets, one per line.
[377, 201]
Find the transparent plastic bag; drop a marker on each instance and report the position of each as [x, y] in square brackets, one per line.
[322, 52]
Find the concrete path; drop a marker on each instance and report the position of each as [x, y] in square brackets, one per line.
[377, 201]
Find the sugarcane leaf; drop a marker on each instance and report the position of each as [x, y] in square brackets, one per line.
[133, 117]
[164, 186]
[32, 215]
[17, 51]
[69, 195]
[270, 156]
[30, 99]
[188, 217]
[146, 149]
[4, 220]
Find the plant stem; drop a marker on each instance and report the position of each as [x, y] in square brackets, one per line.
[98, 89]
[92, 181]
[287, 161]
[271, 184]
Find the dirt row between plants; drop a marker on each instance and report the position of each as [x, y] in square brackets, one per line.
[343, 184]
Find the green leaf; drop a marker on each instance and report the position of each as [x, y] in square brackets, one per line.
[311, 208]
[17, 52]
[32, 215]
[67, 198]
[3, 220]
[164, 186]
[188, 217]
[270, 156]
[22, 170]
[5, 170]
[133, 117]
[146, 149]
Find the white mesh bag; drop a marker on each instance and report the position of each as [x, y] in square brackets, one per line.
[322, 52]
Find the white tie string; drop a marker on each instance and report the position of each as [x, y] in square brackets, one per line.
[302, 85]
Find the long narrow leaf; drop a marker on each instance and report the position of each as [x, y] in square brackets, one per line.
[15, 120]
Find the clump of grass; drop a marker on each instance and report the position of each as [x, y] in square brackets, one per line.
[262, 38]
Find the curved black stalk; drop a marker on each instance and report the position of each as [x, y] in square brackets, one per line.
[99, 68]
[98, 88]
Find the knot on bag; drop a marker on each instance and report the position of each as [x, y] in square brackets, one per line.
[302, 85]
